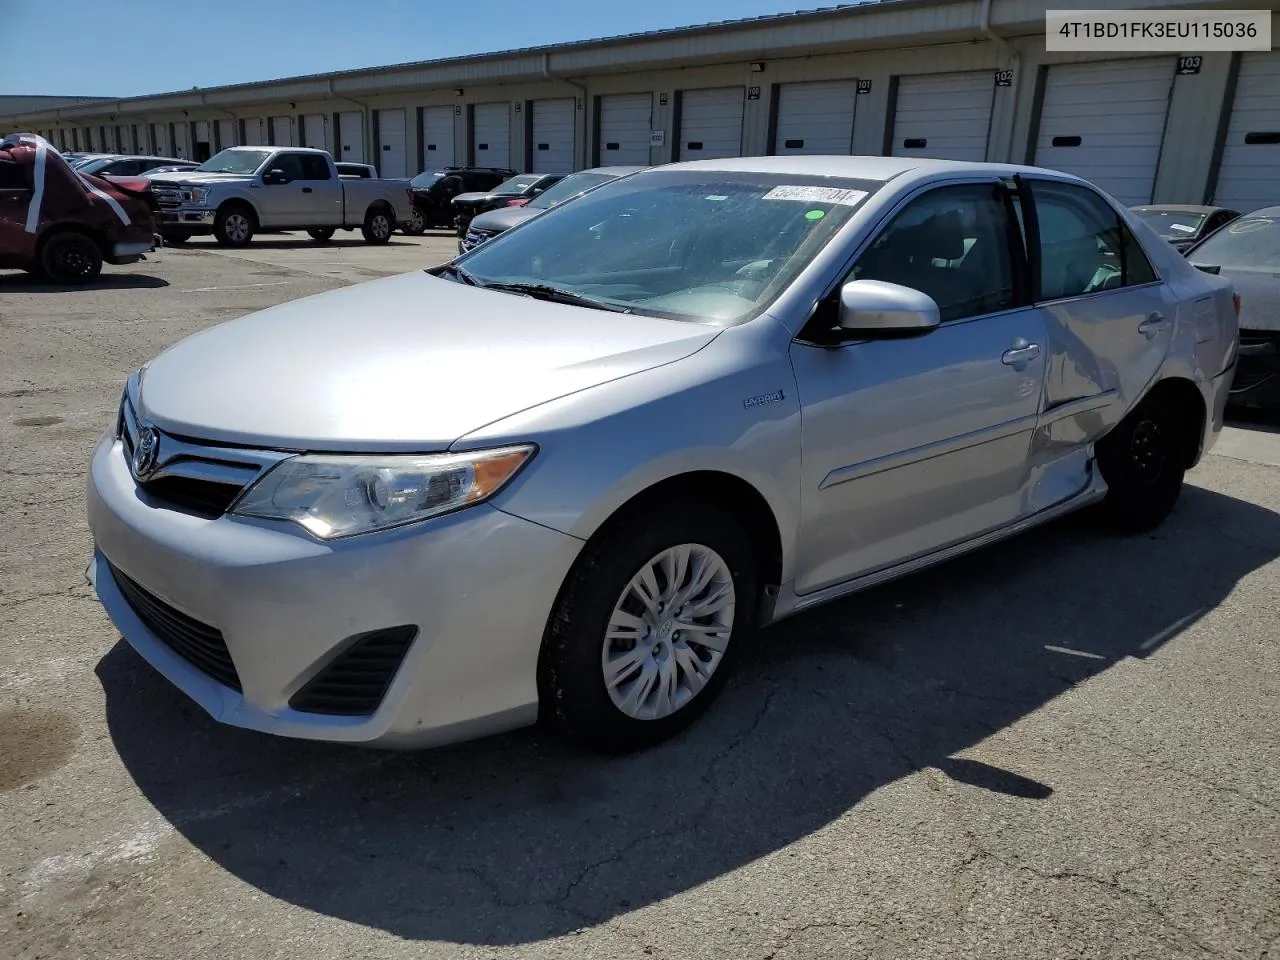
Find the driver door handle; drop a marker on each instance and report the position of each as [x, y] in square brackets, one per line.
[1020, 353]
[306, 189]
[1152, 325]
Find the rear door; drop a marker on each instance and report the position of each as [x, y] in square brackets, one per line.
[1110, 317]
[15, 203]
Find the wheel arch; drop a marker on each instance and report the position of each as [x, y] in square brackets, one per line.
[239, 201]
[69, 226]
[1188, 402]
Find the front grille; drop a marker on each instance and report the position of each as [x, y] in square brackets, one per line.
[207, 497]
[166, 194]
[198, 643]
[354, 684]
[474, 238]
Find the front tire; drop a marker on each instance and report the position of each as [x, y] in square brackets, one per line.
[416, 225]
[647, 626]
[176, 237]
[323, 235]
[1141, 461]
[71, 258]
[234, 226]
[378, 224]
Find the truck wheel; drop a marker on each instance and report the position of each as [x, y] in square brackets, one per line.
[416, 225]
[323, 235]
[71, 258]
[176, 237]
[234, 226]
[378, 225]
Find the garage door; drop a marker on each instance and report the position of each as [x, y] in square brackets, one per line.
[553, 139]
[202, 148]
[943, 115]
[282, 131]
[491, 135]
[710, 123]
[314, 128]
[1104, 121]
[255, 131]
[226, 134]
[625, 122]
[815, 117]
[160, 140]
[1249, 176]
[350, 139]
[437, 137]
[391, 143]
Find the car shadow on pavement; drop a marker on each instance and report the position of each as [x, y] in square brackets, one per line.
[519, 838]
[27, 283]
[284, 242]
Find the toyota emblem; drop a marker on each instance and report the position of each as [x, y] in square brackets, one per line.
[147, 452]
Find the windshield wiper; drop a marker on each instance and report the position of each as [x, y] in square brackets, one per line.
[542, 291]
[462, 275]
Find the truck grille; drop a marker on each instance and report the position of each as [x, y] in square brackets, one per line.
[198, 643]
[168, 195]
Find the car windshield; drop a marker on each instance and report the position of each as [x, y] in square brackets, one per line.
[517, 184]
[1250, 243]
[234, 161]
[570, 186]
[706, 246]
[426, 179]
[1172, 224]
[93, 166]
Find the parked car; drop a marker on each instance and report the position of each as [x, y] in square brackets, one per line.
[516, 191]
[434, 190]
[1184, 225]
[1247, 252]
[357, 171]
[65, 224]
[241, 190]
[78, 160]
[486, 226]
[169, 168]
[569, 472]
[133, 166]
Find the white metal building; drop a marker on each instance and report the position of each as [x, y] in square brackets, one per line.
[939, 78]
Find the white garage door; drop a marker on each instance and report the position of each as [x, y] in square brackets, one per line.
[226, 134]
[815, 117]
[281, 131]
[391, 143]
[141, 138]
[350, 137]
[314, 130]
[553, 140]
[1104, 121]
[491, 135]
[1249, 176]
[203, 135]
[437, 137]
[943, 115]
[255, 131]
[625, 122]
[711, 123]
[160, 140]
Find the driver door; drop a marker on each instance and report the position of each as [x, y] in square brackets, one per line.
[915, 444]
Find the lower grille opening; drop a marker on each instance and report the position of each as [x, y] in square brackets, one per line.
[354, 684]
[198, 643]
[206, 497]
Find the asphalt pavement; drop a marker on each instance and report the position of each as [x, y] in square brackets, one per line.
[1066, 746]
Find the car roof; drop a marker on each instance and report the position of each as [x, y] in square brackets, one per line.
[619, 171]
[864, 167]
[1264, 212]
[247, 146]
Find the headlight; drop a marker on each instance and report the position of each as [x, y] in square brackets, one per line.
[194, 195]
[339, 496]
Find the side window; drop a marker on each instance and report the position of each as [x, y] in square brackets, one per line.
[314, 167]
[12, 176]
[291, 164]
[951, 243]
[1084, 245]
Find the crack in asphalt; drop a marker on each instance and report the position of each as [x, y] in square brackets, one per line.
[68, 591]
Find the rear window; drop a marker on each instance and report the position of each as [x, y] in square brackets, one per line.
[1172, 224]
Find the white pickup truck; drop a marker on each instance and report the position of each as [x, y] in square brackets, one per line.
[241, 190]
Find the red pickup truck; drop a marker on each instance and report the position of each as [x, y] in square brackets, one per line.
[63, 224]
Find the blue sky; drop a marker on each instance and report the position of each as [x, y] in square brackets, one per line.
[92, 48]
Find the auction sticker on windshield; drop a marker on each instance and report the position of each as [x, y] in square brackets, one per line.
[848, 198]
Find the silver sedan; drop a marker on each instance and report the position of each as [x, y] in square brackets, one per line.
[566, 475]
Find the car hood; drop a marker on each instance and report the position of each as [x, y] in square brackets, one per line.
[504, 218]
[186, 177]
[411, 362]
[1259, 297]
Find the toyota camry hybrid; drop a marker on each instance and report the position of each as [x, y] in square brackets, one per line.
[566, 475]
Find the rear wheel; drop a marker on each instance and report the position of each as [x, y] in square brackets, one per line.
[71, 258]
[416, 225]
[1142, 461]
[234, 226]
[378, 225]
[646, 627]
[176, 237]
[321, 235]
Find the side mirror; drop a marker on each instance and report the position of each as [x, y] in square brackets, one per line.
[275, 176]
[875, 308]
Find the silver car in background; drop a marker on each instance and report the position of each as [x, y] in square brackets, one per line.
[567, 474]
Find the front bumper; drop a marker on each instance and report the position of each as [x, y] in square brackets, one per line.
[478, 584]
[131, 252]
[185, 218]
[473, 239]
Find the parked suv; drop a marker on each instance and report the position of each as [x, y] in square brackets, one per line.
[434, 190]
[516, 191]
[65, 224]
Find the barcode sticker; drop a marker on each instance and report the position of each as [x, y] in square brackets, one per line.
[848, 198]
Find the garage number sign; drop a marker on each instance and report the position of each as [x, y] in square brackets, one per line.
[753, 93]
[864, 86]
[1188, 66]
[1004, 78]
